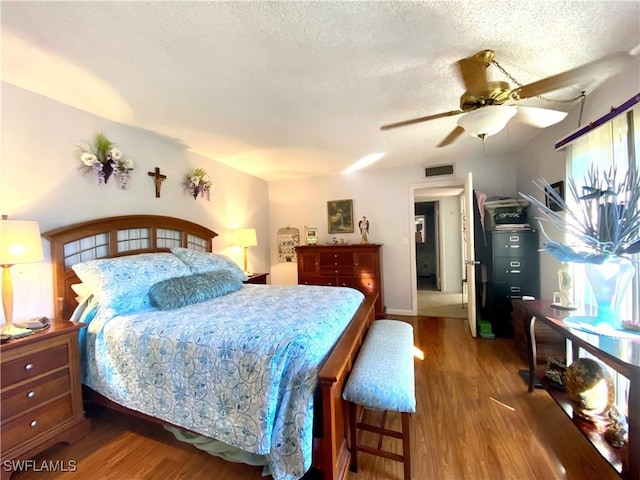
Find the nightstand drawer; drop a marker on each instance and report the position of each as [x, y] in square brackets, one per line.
[31, 366]
[36, 422]
[26, 397]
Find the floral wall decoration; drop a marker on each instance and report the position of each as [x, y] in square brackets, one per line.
[103, 159]
[198, 181]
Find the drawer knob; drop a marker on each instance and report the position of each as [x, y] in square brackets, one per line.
[28, 366]
[34, 423]
[336, 271]
[31, 394]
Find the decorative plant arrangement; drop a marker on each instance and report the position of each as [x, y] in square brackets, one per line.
[103, 159]
[198, 182]
[604, 224]
[605, 220]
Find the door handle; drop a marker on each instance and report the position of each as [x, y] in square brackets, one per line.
[472, 262]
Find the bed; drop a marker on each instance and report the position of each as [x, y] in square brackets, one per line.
[319, 357]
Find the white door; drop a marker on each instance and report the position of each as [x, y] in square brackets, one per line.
[470, 262]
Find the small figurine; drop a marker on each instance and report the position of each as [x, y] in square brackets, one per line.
[565, 284]
[364, 229]
[616, 433]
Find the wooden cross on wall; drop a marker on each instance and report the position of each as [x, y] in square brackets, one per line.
[158, 179]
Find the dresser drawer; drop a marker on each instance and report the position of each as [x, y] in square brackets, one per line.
[25, 368]
[30, 395]
[337, 270]
[326, 281]
[364, 284]
[336, 259]
[36, 422]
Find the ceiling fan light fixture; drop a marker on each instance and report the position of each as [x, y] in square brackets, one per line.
[486, 121]
[540, 117]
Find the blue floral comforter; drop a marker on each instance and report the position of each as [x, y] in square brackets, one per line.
[241, 368]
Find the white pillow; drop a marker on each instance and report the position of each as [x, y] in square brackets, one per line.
[82, 291]
[80, 309]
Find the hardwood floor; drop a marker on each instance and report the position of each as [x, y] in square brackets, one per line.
[458, 432]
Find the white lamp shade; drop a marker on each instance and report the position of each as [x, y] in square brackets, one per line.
[20, 242]
[486, 121]
[540, 117]
[245, 237]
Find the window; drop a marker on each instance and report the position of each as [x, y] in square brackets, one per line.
[616, 143]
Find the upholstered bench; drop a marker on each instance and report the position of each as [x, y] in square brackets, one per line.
[382, 378]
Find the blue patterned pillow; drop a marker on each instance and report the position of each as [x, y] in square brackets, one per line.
[202, 262]
[122, 284]
[179, 292]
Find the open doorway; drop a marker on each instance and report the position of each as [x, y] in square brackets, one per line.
[439, 267]
[427, 247]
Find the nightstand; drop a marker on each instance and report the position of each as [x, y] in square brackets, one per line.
[260, 278]
[40, 392]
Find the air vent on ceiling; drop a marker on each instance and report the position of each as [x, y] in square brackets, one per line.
[436, 170]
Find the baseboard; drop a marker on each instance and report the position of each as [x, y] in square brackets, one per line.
[406, 313]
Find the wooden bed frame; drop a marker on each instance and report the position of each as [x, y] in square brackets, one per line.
[134, 234]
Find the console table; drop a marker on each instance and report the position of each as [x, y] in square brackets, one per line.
[621, 354]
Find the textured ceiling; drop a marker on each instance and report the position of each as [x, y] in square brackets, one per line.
[288, 89]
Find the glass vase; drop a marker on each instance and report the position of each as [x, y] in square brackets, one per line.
[609, 281]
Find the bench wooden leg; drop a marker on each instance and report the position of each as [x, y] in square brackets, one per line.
[405, 436]
[406, 445]
[353, 432]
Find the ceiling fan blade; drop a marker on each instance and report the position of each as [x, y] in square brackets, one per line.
[539, 117]
[565, 79]
[421, 119]
[473, 71]
[449, 139]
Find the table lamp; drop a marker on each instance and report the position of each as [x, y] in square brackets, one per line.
[20, 242]
[245, 237]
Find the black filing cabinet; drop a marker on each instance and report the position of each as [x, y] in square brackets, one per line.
[514, 273]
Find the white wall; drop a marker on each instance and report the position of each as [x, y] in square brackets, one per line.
[385, 196]
[40, 180]
[539, 160]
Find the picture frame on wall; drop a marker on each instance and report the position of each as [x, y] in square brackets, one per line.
[555, 189]
[340, 216]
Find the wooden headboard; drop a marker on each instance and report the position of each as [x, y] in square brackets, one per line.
[115, 237]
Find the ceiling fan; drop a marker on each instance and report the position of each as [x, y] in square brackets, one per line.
[483, 104]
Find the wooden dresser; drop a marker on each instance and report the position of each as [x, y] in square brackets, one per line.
[357, 266]
[40, 393]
